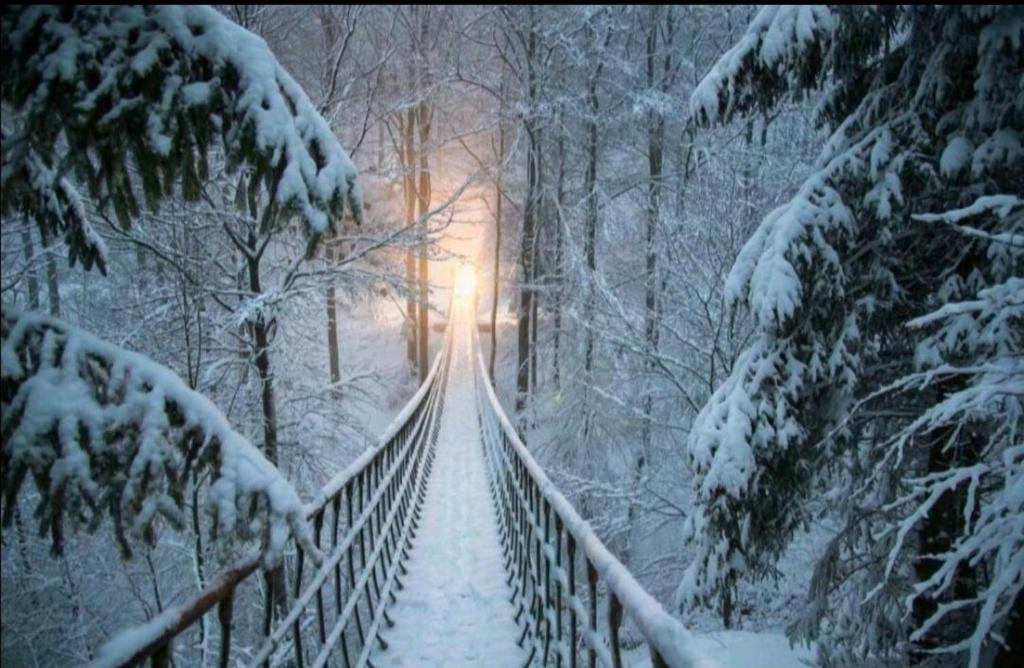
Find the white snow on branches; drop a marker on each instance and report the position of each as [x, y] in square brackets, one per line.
[776, 37]
[198, 62]
[104, 429]
[861, 302]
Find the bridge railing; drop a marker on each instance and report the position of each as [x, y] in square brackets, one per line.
[559, 570]
[364, 520]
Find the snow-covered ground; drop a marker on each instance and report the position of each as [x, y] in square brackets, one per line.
[455, 609]
[738, 649]
[747, 649]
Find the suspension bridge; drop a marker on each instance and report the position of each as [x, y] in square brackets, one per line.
[446, 545]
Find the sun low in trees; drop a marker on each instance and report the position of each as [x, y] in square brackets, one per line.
[886, 373]
[131, 103]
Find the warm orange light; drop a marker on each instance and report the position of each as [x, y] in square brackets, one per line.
[465, 283]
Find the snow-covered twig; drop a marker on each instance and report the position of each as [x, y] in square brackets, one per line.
[104, 431]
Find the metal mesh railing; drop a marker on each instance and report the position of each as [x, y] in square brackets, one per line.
[332, 613]
[571, 595]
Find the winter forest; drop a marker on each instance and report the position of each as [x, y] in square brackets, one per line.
[521, 335]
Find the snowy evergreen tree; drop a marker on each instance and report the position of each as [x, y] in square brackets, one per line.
[133, 98]
[101, 430]
[887, 368]
[132, 101]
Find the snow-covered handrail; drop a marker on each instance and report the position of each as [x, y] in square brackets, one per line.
[370, 511]
[342, 477]
[542, 534]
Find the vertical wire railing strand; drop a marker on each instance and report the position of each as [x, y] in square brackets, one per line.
[545, 545]
[370, 512]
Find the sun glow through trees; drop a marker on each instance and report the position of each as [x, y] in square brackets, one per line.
[465, 283]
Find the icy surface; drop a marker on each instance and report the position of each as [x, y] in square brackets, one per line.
[455, 609]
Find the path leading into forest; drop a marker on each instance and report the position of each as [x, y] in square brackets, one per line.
[455, 609]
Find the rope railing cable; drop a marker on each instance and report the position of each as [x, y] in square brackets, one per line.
[546, 543]
[370, 512]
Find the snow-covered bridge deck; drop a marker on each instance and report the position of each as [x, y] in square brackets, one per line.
[455, 609]
[447, 545]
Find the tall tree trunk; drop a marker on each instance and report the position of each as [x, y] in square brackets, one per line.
[410, 189]
[260, 330]
[655, 161]
[538, 225]
[334, 361]
[534, 381]
[938, 530]
[529, 216]
[657, 78]
[424, 201]
[199, 565]
[424, 117]
[29, 249]
[535, 265]
[499, 197]
[559, 277]
[591, 223]
[261, 349]
[77, 608]
[191, 297]
[590, 237]
[52, 281]
[1010, 654]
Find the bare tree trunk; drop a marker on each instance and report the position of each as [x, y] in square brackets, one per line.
[529, 215]
[536, 270]
[191, 295]
[558, 270]
[261, 351]
[727, 602]
[538, 226]
[75, 599]
[409, 148]
[199, 563]
[334, 360]
[655, 169]
[424, 200]
[948, 448]
[52, 284]
[141, 269]
[28, 247]
[657, 77]
[526, 278]
[590, 233]
[424, 117]
[590, 238]
[499, 196]
[534, 381]
[1009, 655]
[260, 331]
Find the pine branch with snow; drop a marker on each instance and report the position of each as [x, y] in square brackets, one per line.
[105, 432]
[868, 302]
[130, 99]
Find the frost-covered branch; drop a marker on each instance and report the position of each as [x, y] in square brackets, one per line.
[103, 431]
[166, 84]
[864, 299]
